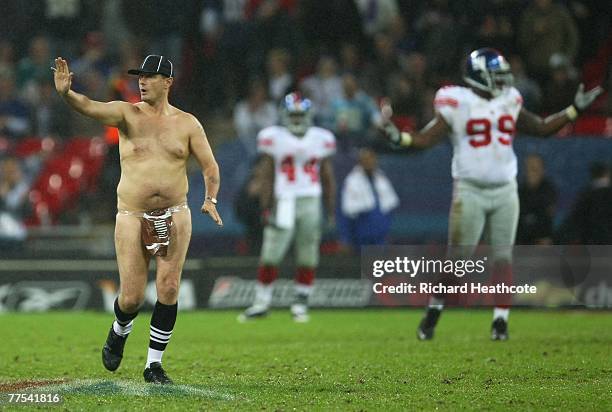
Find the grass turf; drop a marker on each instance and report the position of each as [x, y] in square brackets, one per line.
[341, 360]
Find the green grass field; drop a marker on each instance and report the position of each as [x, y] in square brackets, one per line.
[342, 360]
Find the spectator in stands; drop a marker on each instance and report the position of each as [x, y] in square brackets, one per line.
[350, 59]
[325, 25]
[561, 86]
[14, 114]
[14, 204]
[122, 85]
[590, 221]
[208, 92]
[377, 15]
[67, 21]
[280, 79]
[416, 68]
[33, 69]
[7, 58]
[235, 28]
[50, 117]
[252, 114]
[93, 56]
[367, 199]
[403, 41]
[537, 196]
[529, 88]
[323, 88]
[248, 211]
[354, 114]
[113, 25]
[94, 85]
[437, 30]
[407, 102]
[545, 29]
[273, 28]
[159, 25]
[385, 67]
[494, 24]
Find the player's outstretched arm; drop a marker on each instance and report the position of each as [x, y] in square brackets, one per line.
[328, 183]
[200, 148]
[534, 125]
[111, 113]
[429, 136]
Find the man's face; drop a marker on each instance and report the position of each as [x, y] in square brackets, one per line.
[367, 160]
[153, 86]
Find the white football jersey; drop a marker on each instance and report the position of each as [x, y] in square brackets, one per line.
[296, 159]
[482, 133]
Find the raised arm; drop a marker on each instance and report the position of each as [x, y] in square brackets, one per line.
[534, 125]
[428, 136]
[110, 114]
[200, 148]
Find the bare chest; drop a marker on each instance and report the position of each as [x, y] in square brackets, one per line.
[154, 138]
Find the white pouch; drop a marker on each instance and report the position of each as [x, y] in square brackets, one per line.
[285, 213]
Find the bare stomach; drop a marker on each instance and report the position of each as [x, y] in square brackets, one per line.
[142, 192]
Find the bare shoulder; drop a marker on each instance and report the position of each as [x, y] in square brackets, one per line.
[120, 105]
[135, 108]
[190, 121]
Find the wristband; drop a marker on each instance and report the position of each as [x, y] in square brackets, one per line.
[405, 139]
[571, 112]
[212, 199]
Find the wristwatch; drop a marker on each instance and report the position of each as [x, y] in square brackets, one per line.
[212, 199]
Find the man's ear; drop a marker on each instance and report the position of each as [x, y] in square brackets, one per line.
[169, 81]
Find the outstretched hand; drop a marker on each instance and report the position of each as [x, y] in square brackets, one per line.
[389, 130]
[386, 110]
[583, 99]
[62, 76]
[209, 208]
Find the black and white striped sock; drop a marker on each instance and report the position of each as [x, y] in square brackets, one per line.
[162, 324]
[123, 321]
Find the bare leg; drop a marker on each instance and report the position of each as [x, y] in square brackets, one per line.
[169, 267]
[168, 277]
[133, 262]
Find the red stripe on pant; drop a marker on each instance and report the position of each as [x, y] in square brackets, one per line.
[267, 274]
[305, 276]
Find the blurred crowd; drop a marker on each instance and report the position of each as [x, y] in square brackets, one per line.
[236, 59]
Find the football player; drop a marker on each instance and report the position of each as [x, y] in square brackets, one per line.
[296, 171]
[481, 120]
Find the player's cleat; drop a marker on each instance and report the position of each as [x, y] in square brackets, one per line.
[299, 308]
[299, 313]
[253, 312]
[156, 374]
[112, 352]
[499, 329]
[426, 328]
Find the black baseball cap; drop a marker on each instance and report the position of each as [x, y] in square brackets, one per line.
[154, 64]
